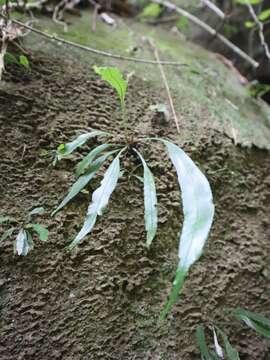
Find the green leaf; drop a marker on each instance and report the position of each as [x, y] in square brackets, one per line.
[88, 159]
[10, 58]
[23, 243]
[7, 234]
[114, 77]
[264, 15]
[43, 232]
[251, 2]
[4, 219]
[150, 202]
[200, 335]
[23, 60]
[82, 181]
[68, 148]
[198, 216]
[100, 199]
[182, 23]
[249, 24]
[151, 11]
[37, 211]
[231, 352]
[255, 321]
[218, 348]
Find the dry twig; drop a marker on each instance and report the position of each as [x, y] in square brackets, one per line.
[92, 50]
[260, 28]
[165, 84]
[214, 8]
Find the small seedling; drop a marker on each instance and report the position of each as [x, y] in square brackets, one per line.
[24, 239]
[196, 192]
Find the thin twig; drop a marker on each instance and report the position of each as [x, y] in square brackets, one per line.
[214, 8]
[209, 29]
[92, 50]
[165, 83]
[56, 15]
[260, 27]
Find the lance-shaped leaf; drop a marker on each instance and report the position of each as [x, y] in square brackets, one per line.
[83, 180]
[100, 199]
[68, 148]
[23, 243]
[232, 354]
[255, 321]
[200, 335]
[37, 211]
[8, 233]
[218, 348]
[150, 202]
[114, 77]
[88, 159]
[198, 216]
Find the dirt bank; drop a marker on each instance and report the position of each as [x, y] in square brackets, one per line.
[102, 301]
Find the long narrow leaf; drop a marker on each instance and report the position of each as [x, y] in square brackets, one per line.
[82, 181]
[68, 148]
[100, 199]
[23, 243]
[255, 321]
[150, 202]
[231, 352]
[200, 335]
[7, 234]
[198, 215]
[88, 159]
[218, 348]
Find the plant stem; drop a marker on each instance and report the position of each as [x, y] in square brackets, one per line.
[124, 119]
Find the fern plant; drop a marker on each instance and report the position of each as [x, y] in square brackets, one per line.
[24, 239]
[196, 192]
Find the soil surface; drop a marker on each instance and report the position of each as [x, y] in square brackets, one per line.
[102, 301]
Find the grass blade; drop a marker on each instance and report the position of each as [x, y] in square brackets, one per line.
[198, 214]
[200, 335]
[68, 148]
[82, 181]
[255, 321]
[150, 202]
[88, 159]
[100, 199]
[230, 351]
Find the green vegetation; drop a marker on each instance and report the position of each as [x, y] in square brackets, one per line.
[24, 238]
[253, 320]
[195, 189]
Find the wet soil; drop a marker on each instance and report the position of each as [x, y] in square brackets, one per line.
[103, 300]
